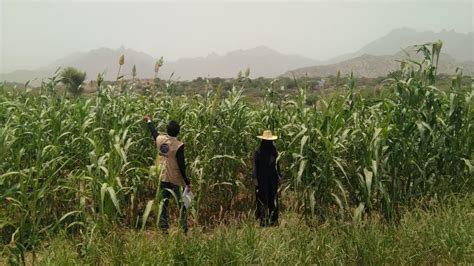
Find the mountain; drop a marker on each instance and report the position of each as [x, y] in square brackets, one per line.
[372, 66]
[374, 59]
[459, 45]
[102, 60]
[106, 60]
[22, 76]
[261, 60]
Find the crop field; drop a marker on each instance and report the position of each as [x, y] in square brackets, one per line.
[367, 173]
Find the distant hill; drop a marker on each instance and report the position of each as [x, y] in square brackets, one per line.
[106, 60]
[374, 59]
[102, 60]
[372, 66]
[261, 60]
[459, 45]
[22, 76]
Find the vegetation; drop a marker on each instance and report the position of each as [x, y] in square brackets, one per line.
[84, 166]
[73, 80]
[442, 235]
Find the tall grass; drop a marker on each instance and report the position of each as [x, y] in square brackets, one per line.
[81, 164]
[442, 235]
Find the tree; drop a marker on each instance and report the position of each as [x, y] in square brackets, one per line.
[158, 64]
[73, 80]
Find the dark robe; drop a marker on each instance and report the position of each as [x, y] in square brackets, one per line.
[266, 172]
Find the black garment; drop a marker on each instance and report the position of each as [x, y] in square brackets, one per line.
[169, 192]
[266, 173]
[179, 153]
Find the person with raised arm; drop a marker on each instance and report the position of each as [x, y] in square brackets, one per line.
[173, 170]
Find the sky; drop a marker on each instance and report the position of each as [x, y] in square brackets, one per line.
[34, 33]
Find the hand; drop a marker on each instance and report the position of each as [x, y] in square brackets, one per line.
[146, 118]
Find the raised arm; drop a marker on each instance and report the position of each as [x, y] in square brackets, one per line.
[151, 127]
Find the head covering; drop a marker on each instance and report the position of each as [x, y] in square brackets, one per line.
[267, 135]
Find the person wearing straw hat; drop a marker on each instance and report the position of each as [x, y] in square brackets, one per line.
[266, 176]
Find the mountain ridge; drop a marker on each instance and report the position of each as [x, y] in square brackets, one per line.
[458, 45]
[373, 66]
[262, 60]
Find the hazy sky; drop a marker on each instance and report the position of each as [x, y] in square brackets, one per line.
[35, 33]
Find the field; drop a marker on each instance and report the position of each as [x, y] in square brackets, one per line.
[391, 169]
[444, 234]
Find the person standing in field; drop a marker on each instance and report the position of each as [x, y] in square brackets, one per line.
[266, 176]
[173, 170]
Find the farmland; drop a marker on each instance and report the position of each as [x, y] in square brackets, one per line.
[356, 168]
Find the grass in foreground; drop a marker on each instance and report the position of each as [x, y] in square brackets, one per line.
[443, 234]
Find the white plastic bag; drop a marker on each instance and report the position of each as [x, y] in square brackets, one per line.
[187, 197]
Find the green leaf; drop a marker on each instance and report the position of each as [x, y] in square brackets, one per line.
[103, 189]
[339, 203]
[357, 217]
[303, 142]
[368, 182]
[300, 171]
[312, 200]
[148, 207]
[114, 199]
[469, 165]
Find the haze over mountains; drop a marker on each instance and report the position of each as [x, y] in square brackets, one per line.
[373, 66]
[382, 56]
[459, 45]
[374, 59]
[263, 62]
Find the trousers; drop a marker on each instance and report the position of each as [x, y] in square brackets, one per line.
[171, 191]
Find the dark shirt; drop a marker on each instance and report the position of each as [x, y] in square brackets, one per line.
[179, 153]
[265, 166]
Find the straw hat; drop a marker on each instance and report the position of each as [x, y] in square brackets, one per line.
[267, 135]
